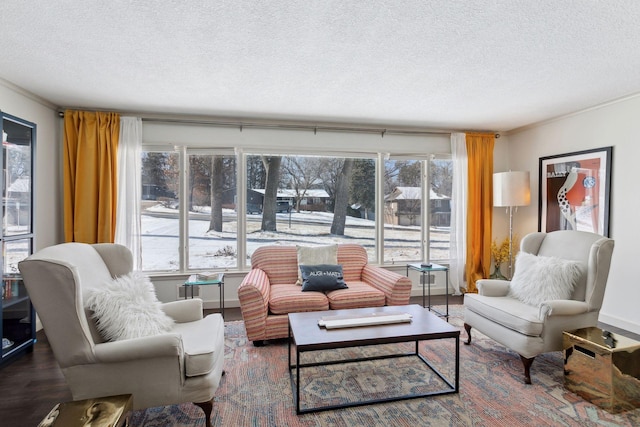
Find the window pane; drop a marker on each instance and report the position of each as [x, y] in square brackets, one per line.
[441, 178]
[15, 251]
[402, 210]
[160, 223]
[16, 151]
[213, 222]
[310, 200]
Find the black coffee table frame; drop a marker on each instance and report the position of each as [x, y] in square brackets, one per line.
[425, 326]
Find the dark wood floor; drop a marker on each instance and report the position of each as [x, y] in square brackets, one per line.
[33, 384]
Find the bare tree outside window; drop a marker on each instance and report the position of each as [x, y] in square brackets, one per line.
[272, 166]
[217, 186]
[301, 175]
[342, 198]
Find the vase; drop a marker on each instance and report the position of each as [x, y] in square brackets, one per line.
[497, 274]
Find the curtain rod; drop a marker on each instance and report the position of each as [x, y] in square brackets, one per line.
[293, 126]
[290, 126]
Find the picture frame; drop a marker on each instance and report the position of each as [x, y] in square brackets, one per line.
[574, 191]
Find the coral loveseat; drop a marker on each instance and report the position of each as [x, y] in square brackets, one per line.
[269, 291]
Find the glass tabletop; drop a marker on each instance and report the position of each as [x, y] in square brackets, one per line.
[205, 279]
[434, 267]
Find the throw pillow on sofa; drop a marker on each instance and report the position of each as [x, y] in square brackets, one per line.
[322, 277]
[316, 255]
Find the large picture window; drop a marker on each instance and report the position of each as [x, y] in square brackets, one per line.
[209, 206]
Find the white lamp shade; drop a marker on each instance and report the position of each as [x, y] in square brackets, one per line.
[511, 189]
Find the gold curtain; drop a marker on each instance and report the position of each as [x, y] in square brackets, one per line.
[90, 176]
[479, 207]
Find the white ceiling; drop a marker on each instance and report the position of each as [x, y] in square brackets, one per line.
[476, 64]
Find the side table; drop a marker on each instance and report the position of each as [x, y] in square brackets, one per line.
[100, 411]
[603, 368]
[193, 280]
[426, 270]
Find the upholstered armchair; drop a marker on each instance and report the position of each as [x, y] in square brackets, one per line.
[559, 289]
[183, 364]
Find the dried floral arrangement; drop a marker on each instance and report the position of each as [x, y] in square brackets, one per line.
[500, 255]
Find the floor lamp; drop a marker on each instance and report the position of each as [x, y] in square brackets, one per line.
[511, 189]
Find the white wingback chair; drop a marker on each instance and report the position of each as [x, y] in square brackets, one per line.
[184, 365]
[532, 330]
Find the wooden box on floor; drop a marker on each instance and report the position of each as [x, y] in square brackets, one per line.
[603, 368]
[102, 411]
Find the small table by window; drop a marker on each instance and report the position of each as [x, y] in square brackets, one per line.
[426, 270]
[194, 280]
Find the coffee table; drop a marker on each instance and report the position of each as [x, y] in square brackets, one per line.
[306, 335]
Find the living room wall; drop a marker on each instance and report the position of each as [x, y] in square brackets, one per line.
[48, 176]
[615, 124]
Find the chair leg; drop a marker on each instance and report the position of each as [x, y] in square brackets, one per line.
[527, 368]
[207, 407]
[468, 329]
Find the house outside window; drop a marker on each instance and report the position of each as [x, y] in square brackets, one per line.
[413, 187]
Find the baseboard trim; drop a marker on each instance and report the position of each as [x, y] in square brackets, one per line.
[619, 323]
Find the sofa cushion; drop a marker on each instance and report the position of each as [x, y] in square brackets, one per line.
[286, 299]
[506, 311]
[278, 262]
[200, 341]
[322, 277]
[358, 295]
[352, 257]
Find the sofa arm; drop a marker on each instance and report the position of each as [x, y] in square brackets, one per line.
[562, 308]
[396, 287]
[253, 294]
[184, 310]
[493, 287]
[157, 346]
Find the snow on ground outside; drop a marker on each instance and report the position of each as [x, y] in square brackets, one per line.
[160, 237]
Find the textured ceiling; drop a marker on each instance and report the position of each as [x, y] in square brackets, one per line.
[491, 65]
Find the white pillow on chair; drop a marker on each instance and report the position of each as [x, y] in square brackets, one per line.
[127, 307]
[540, 278]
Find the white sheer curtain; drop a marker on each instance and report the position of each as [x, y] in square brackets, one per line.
[129, 187]
[458, 211]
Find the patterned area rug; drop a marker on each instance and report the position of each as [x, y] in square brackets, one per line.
[256, 390]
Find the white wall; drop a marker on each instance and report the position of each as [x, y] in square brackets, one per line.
[48, 176]
[618, 125]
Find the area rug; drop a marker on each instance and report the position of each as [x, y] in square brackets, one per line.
[256, 390]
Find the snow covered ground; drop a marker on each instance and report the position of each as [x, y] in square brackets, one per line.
[214, 250]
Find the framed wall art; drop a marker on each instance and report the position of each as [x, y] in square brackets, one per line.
[574, 191]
